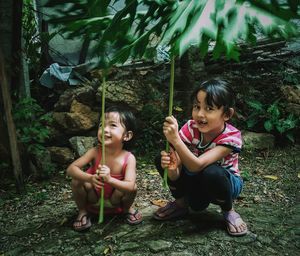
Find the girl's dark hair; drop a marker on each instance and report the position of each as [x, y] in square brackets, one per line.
[127, 119]
[218, 93]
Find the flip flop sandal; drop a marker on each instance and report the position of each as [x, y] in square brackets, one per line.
[136, 219]
[176, 211]
[231, 218]
[86, 226]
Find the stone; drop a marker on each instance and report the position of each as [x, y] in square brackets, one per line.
[85, 95]
[259, 141]
[159, 245]
[81, 144]
[128, 246]
[61, 155]
[129, 91]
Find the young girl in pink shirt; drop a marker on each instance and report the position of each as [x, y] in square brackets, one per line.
[203, 163]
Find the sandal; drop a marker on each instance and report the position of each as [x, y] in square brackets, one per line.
[171, 210]
[231, 218]
[136, 215]
[85, 226]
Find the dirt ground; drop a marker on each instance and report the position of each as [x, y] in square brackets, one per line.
[40, 221]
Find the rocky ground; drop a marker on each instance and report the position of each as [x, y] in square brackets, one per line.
[40, 221]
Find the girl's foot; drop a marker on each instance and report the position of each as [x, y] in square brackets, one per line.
[234, 223]
[172, 210]
[82, 222]
[134, 217]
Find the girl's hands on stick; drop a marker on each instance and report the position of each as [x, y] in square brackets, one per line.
[96, 181]
[104, 172]
[170, 129]
[169, 160]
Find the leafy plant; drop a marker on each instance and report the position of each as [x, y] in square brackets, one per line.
[142, 25]
[32, 127]
[32, 124]
[31, 37]
[291, 76]
[273, 117]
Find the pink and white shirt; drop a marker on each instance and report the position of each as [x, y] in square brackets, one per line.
[230, 137]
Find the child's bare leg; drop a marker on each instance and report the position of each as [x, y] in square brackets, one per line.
[127, 200]
[83, 194]
[116, 198]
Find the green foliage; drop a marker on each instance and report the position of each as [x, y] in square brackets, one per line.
[130, 32]
[291, 75]
[32, 125]
[273, 117]
[246, 174]
[40, 196]
[33, 39]
[30, 34]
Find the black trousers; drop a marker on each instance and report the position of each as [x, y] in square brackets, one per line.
[211, 185]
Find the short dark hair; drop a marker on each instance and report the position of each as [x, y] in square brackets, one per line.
[218, 92]
[127, 119]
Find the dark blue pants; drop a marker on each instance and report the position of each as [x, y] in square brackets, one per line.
[211, 185]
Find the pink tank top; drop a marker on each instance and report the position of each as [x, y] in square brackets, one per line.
[108, 189]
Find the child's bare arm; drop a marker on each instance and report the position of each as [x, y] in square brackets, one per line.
[188, 159]
[196, 164]
[75, 171]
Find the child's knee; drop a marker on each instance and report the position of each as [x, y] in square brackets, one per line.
[116, 197]
[76, 183]
[134, 190]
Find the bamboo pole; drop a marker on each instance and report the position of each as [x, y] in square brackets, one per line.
[101, 210]
[171, 95]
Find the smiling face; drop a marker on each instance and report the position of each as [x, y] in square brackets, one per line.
[209, 119]
[114, 131]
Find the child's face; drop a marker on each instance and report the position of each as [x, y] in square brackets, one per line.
[114, 131]
[209, 119]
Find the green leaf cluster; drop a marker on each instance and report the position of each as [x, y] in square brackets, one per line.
[274, 118]
[133, 33]
[32, 124]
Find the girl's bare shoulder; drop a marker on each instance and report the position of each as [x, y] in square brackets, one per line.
[131, 158]
[92, 152]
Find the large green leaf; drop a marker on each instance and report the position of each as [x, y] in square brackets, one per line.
[220, 24]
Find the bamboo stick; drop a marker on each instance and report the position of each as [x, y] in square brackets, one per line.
[101, 210]
[171, 95]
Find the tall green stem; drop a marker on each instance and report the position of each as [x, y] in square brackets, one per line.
[101, 210]
[171, 95]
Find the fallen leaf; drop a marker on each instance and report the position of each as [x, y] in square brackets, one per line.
[256, 199]
[299, 175]
[159, 202]
[272, 177]
[63, 221]
[153, 172]
[179, 109]
[107, 250]
[143, 72]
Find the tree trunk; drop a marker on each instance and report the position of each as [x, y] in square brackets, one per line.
[10, 42]
[11, 128]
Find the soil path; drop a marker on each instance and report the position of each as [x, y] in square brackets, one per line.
[39, 222]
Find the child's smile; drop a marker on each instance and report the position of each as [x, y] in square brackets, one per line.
[113, 129]
[209, 119]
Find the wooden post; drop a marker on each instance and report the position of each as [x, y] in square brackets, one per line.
[15, 157]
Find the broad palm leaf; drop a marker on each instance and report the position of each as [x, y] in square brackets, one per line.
[221, 24]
